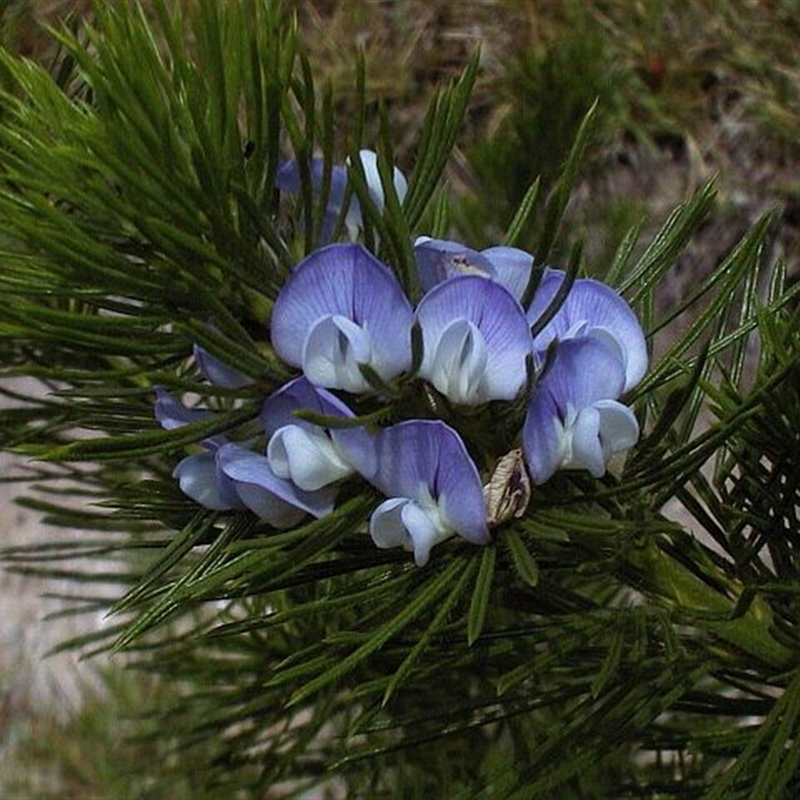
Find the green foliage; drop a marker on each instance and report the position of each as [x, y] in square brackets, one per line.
[592, 647]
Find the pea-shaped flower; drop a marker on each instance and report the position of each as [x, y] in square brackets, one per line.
[307, 454]
[440, 259]
[288, 180]
[276, 500]
[303, 461]
[574, 419]
[476, 340]
[590, 307]
[198, 474]
[433, 487]
[340, 309]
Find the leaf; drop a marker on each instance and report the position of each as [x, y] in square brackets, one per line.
[525, 563]
[418, 604]
[480, 595]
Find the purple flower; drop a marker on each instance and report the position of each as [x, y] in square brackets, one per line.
[198, 474]
[218, 372]
[439, 259]
[307, 454]
[574, 419]
[591, 308]
[433, 487]
[340, 309]
[288, 180]
[476, 340]
[276, 500]
[229, 476]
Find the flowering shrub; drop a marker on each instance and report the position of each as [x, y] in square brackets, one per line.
[342, 318]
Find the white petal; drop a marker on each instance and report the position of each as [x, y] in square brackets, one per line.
[619, 428]
[332, 352]
[425, 529]
[458, 366]
[386, 525]
[305, 456]
[587, 451]
[400, 522]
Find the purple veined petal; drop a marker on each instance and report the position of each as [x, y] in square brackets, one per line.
[591, 305]
[573, 419]
[217, 372]
[308, 458]
[260, 489]
[426, 462]
[512, 268]
[440, 259]
[399, 522]
[502, 325]
[301, 395]
[344, 281]
[200, 479]
[172, 414]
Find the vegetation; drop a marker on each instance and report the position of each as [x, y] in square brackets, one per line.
[597, 648]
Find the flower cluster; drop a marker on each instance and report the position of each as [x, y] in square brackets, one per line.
[344, 321]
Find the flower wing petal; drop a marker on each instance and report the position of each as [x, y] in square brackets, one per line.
[512, 268]
[200, 479]
[305, 456]
[246, 467]
[458, 364]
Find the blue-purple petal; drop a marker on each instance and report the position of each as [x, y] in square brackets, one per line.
[299, 395]
[344, 281]
[440, 259]
[253, 470]
[426, 460]
[501, 322]
[288, 180]
[172, 414]
[218, 372]
[512, 268]
[589, 305]
[200, 478]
